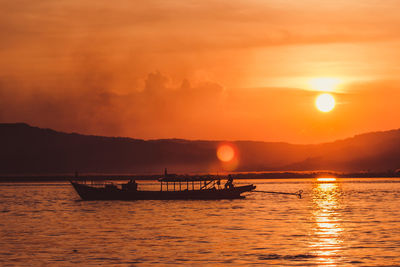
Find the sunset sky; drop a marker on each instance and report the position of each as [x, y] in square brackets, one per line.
[218, 70]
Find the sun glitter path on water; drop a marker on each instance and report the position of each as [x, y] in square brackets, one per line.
[327, 179]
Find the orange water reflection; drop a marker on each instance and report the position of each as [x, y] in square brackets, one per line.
[326, 242]
[326, 179]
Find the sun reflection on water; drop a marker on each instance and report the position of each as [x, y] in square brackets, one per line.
[327, 230]
[326, 179]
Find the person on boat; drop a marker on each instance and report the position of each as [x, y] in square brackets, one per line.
[219, 184]
[229, 183]
[132, 185]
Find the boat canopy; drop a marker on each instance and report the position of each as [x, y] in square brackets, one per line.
[187, 178]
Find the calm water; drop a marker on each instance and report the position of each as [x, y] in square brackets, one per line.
[347, 222]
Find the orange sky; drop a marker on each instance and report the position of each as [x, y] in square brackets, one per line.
[200, 69]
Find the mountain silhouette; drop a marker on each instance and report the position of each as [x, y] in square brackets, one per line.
[31, 150]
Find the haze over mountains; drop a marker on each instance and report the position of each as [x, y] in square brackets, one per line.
[31, 150]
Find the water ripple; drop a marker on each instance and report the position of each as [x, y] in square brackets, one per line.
[341, 223]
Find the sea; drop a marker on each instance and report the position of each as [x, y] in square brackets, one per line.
[342, 222]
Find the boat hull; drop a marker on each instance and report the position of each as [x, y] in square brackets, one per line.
[87, 192]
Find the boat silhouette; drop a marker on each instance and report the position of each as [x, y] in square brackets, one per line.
[172, 187]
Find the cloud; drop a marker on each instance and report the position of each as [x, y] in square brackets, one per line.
[209, 40]
[90, 103]
[157, 69]
[157, 108]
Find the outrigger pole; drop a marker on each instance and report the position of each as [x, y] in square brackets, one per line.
[298, 193]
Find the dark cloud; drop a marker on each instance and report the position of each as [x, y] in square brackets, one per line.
[90, 104]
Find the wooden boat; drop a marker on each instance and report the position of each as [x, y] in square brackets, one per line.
[171, 188]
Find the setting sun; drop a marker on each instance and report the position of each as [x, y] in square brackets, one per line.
[325, 102]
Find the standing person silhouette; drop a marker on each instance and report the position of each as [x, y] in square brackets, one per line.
[133, 185]
[229, 183]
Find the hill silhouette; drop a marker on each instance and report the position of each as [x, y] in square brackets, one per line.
[31, 150]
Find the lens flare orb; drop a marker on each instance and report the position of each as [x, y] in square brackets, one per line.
[225, 153]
